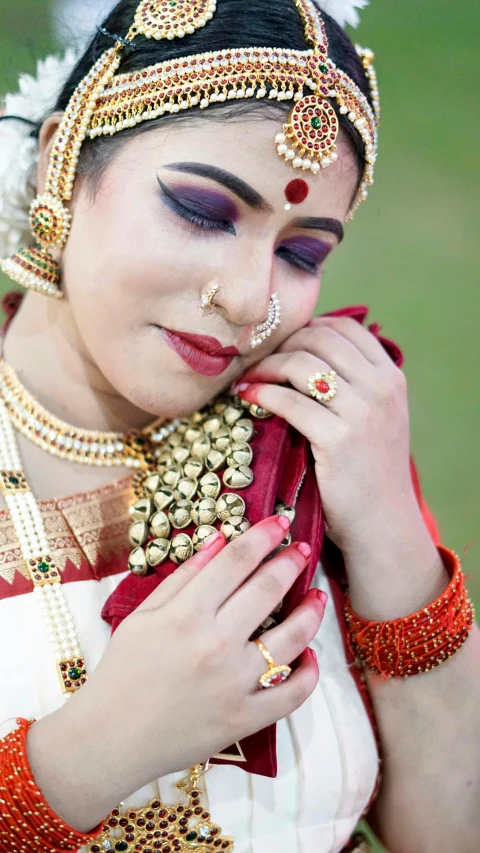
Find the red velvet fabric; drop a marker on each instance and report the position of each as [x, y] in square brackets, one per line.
[283, 467]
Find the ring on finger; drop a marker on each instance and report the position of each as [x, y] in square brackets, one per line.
[322, 386]
[275, 674]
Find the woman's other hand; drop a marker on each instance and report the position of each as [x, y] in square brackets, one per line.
[179, 680]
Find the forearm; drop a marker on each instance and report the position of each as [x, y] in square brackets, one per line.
[429, 724]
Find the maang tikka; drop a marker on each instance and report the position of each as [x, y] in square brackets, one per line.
[105, 103]
[50, 221]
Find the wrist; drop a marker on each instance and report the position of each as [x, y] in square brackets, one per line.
[71, 770]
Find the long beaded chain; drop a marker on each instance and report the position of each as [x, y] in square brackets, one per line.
[30, 529]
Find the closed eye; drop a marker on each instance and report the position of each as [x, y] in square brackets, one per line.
[194, 213]
[297, 261]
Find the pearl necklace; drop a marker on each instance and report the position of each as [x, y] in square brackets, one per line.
[30, 529]
[88, 447]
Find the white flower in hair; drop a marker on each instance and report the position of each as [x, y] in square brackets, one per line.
[19, 152]
[343, 11]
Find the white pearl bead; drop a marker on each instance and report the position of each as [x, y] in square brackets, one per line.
[282, 149]
[290, 154]
[280, 138]
[297, 163]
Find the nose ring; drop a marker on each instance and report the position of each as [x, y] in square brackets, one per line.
[206, 300]
[264, 330]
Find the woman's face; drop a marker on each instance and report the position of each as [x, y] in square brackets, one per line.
[176, 209]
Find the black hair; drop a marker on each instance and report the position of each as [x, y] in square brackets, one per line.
[236, 23]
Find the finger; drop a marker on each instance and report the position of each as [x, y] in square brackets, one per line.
[281, 701]
[296, 368]
[230, 569]
[289, 640]
[171, 586]
[364, 340]
[334, 349]
[250, 605]
[310, 418]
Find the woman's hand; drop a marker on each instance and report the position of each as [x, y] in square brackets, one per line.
[360, 439]
[179, 680]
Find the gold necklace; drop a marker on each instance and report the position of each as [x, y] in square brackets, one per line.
[88, 447]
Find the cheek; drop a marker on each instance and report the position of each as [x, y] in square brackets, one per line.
[299, 303]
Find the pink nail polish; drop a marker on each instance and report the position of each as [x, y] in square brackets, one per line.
[322, 596]
[283, 521]
[211, 540]
[242, 386]
[304, 549]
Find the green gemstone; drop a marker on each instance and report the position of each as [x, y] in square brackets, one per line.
[121, 845]
[324, 68]
[173, 3]
[74, 673]
[43, 568]
[191, 836]
[316, 123]
[13, 480]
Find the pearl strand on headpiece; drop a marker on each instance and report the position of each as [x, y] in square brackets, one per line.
[29, 527]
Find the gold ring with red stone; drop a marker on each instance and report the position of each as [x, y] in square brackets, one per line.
[322, 386]
[275, 674]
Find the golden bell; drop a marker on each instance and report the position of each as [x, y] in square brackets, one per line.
[230, 504]
[157, 551]
[193, 469]
[211, 425]
[138, 533]
[242, 431]
[181, 548]
[220, 405]
[142, 510]
[240, 454]
[204, 512]
[234, 526]
[209, 486]
[160, 525]
[174, 440]
[197, 417]
[238, 478]
[192, 433]
[266, 625]
[163, 498]
[165, 458]
[282, 508]
[186, 489]
[201, 447]
[222, 439]
[137, 562]
[214, 460]
[258, 412]
[172, 476]
[231, 415]
[180, 514]
[283, 544]
[201, 534]
[152, 483]
[181, 454]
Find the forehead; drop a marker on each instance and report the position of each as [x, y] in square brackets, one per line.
[246, 147]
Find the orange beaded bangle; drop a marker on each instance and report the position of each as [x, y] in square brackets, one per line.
[419, 642]
[27, 823]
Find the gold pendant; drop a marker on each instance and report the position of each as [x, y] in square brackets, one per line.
[158, 827]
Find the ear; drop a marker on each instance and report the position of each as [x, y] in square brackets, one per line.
[45, 141]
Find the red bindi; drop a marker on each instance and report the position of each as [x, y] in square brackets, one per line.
[296, 191]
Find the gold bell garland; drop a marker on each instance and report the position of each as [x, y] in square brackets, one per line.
[184, 487]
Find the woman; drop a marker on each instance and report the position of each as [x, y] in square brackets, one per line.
[184, 258]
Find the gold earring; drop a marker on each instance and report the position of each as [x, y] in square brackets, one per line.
[206, 300]
[34, 266]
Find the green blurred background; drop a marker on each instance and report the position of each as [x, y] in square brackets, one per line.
[412, 252]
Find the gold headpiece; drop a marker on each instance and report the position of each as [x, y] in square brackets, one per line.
[104, 104]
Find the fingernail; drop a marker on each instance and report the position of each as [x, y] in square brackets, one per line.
[241, 386]
[322, 596]
[283, 521]
[313, 654]
[304, 549]
[210, 540]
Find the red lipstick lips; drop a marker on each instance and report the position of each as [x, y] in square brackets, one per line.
[205, 355]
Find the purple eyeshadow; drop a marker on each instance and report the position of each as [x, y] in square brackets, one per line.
[309, 249]
[207, 202]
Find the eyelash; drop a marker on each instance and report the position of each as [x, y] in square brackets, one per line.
[207, 224]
